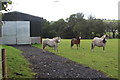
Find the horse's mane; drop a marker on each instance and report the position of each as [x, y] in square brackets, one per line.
[104, 36]
[56, 38]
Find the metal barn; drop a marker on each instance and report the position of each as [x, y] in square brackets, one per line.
[16, 32]
[21, 28]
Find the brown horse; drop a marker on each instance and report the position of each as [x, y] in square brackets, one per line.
[75, 41]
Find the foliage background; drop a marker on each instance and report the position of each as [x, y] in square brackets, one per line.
[77, 25]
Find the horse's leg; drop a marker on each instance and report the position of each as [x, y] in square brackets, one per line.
[103, 48]
[72, 43]
[56, 48]
[77, 46]
[44, 46]
[92, 47]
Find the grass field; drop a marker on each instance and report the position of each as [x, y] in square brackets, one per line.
[104, 61]
[17, 64]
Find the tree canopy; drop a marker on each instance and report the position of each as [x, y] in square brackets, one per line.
[4, 4]
[77, 25]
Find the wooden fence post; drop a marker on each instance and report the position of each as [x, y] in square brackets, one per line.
[4, 63]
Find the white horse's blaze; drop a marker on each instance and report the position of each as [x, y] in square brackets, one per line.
[58, 41]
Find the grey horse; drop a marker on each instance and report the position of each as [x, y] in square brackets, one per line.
[52, 43]
[100, 42]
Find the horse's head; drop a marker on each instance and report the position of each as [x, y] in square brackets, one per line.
[57, 39]
[104, 40]
[104, 37]
[78, 37]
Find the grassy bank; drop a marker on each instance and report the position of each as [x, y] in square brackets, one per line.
[18, 66]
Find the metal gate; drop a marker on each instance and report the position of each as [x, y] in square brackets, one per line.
[16, 32]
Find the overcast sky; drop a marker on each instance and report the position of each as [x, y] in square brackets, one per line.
[53, 10]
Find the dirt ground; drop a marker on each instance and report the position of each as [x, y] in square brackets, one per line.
[50, 65]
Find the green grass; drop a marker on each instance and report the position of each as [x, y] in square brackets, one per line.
[16, 63]
[104, 61]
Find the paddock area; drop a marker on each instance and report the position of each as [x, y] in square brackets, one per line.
[104, 61]
[68, 62]
[50, 65]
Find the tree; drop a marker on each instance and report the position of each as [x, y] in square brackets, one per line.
[4, 4]
[90, 25]
[76, 23]
[86, 28]
[58, 27]
[45, 28]
[96, 27]
[119, 29]
[112, 26]
[99, 28]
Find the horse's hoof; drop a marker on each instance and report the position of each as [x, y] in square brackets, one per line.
[44, 51]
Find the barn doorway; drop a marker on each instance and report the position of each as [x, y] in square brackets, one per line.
[16, 32]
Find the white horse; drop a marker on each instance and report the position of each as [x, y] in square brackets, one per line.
[52, 43]
[100, 42]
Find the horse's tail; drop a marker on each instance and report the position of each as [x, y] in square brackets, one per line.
[72, 43]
